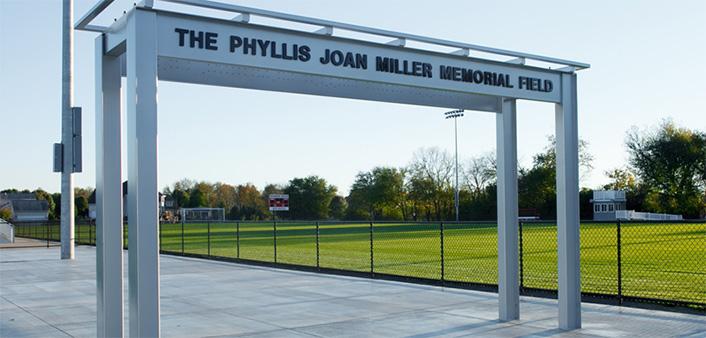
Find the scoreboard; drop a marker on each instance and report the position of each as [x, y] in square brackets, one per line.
[279, 202]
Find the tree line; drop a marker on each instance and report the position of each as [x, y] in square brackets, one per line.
[666, 173]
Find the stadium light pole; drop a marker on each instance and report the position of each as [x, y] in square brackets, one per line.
[67, 132]
[455, 114]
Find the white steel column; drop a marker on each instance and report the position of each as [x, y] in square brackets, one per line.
[143, 239]
[67, 96]
[109, 211]
[567, 191]
[508, 255]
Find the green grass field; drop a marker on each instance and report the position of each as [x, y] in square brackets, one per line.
[659, 261]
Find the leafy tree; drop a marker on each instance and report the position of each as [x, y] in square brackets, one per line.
[478, 207]
[309, 197]
[621, 179]
[6, 214]
[427, 198]
[249, 203]
[337, 208]
[81, 201]
[537, 185]
[224, 196]
[585, 206]
[479, 173]
[200, 195]
[180, 192]
[360, 205]
[56, 197]
[381, 193]
[537, 190]
[42, 195]
[181, 197]
[185, 184]
[388, 192]
[671, 162]
[430, 187]
[81, 206]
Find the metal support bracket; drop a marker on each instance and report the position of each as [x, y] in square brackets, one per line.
[462, 52]
[401, 42]
[326, 30]
[244, 18]
[517, 61]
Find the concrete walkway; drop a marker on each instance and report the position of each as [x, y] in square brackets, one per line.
[21, 242]
[42, 296]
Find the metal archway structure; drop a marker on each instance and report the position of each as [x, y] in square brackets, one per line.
[149, 44]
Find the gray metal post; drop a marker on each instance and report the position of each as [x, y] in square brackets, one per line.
[522, 259]
[567, 191]
[142, 157]
[456, 151]
[441, 244]
[620, 263]
[318, 265]
[274, 239]
[109, 196]
[508, 279]
[372, 257]
[67, 186]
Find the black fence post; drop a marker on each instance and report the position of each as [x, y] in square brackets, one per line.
[237, 239]
[441, 238]
[372, 261]
[209, 237]
[522, 259]
[620, 263]
[160, 236]
[318, 266]
[274, 238]
[90, 234]
[47, 234]
[182, 236]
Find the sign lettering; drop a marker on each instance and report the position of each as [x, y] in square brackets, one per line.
[256, 47]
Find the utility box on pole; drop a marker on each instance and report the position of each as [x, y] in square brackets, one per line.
[76, 140]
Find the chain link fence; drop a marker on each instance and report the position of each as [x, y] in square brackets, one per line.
[660, 263]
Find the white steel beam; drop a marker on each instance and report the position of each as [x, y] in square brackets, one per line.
[109, 197]
[508, 255]
[92, 13]
[143, 241]
[567, 191]
[369, 30]
[103, 4]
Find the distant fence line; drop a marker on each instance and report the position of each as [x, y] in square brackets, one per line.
[623, 262]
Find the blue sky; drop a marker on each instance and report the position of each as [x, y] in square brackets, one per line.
[646, 57]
